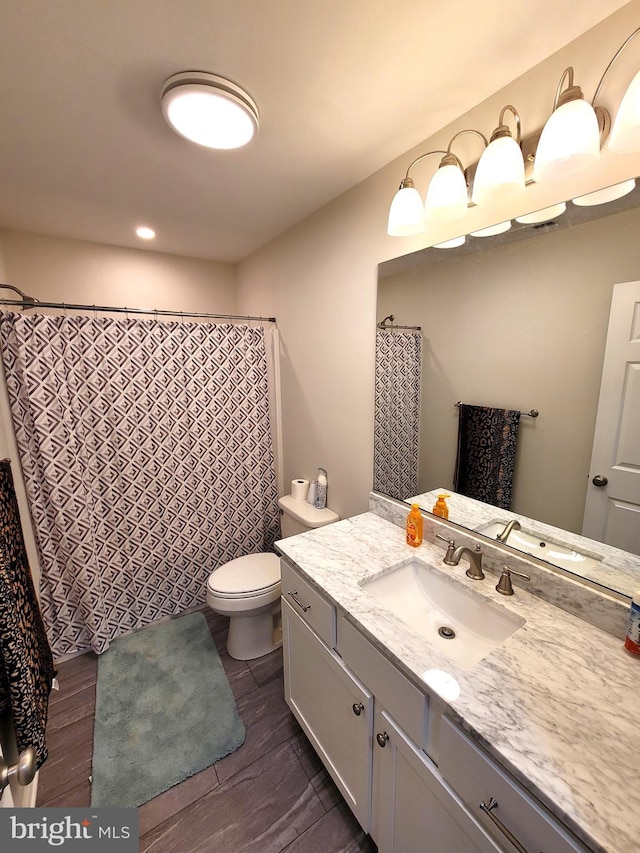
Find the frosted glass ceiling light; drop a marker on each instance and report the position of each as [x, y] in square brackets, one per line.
[209, 110]
[605, 195]
[570, 140]
[451, 244]
[501, 166]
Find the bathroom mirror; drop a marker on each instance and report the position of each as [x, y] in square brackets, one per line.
[519, 320]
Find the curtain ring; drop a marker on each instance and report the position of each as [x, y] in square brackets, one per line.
[95, 312]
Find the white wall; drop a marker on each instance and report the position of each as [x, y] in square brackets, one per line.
[320, 277]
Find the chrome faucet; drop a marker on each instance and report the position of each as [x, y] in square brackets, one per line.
[514, 524]
[453, 555]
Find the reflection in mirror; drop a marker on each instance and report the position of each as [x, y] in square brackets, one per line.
[519, 323]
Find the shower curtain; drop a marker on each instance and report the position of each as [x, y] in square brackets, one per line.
[147, 455]
[398, 377]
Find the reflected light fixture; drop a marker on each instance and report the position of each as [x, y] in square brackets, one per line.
[451, 244]
[492, 230]
[545, 214]
[606, 194]
[209, 110]
[501, 166]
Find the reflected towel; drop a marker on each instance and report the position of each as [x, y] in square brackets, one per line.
[487, 440]
[26, 663]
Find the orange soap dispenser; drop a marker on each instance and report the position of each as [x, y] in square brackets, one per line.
[414, 526]
[440, 507]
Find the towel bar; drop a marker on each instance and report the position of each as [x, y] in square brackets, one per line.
[532, 413]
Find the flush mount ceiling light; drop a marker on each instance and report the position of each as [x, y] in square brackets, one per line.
[209, 110]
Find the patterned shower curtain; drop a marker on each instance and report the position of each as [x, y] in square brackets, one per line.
[398, 378]
[147, 455]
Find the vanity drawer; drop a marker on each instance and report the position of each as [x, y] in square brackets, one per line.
[407, 705]
[309, 604]
[477, 778]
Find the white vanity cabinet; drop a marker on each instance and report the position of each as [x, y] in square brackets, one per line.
[334, 709]
[412, 809]
[413, 780]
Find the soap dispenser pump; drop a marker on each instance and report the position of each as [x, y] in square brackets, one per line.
[440, 507]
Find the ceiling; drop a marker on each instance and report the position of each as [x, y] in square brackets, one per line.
[343, 87]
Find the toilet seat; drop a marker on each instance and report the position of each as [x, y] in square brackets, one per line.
[246, 577]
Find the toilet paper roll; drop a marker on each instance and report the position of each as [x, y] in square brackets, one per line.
[299, 489]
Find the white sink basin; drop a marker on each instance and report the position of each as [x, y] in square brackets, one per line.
[427, 600]
[560, 555]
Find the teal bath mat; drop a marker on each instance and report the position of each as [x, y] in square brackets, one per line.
[164, 711]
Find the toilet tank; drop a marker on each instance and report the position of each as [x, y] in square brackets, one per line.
[299, 516]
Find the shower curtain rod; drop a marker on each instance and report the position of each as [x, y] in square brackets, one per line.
[32, 302]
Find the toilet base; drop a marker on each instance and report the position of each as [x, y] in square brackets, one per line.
[255, 634]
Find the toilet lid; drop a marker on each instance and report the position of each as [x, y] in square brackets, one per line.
[245, 576]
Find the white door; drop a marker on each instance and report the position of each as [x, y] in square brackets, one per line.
[612, 509]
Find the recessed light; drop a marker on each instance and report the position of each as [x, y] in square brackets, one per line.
[145, 233]
[209, 110]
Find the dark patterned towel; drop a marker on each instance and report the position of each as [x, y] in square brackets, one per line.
[487, 440]
[26, 663]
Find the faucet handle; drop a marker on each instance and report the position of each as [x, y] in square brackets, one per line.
[504, 585]
[448, 557]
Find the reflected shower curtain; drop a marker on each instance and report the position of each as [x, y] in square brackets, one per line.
[147, 455]
[397, 412]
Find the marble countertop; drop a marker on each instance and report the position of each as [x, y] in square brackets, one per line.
[556, 703]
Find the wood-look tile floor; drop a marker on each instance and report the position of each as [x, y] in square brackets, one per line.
[271, 795]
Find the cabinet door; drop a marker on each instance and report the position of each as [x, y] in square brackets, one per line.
[413, 810]
[333, 708]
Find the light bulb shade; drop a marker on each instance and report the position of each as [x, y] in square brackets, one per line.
[447, 195]
[406, 214]
[209, 110]
[625, 133]
[570, 142]
[606, 194]
[500, 171]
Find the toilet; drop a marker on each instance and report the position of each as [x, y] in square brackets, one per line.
[247, 589]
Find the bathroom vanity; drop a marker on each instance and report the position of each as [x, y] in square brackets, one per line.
[526, 740]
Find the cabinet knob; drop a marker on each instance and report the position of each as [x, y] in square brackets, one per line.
[382, 738]
[358, 708]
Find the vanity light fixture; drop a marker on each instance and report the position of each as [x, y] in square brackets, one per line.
[606, 194]
[209, 110]
[570, 142]
[501, 166]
